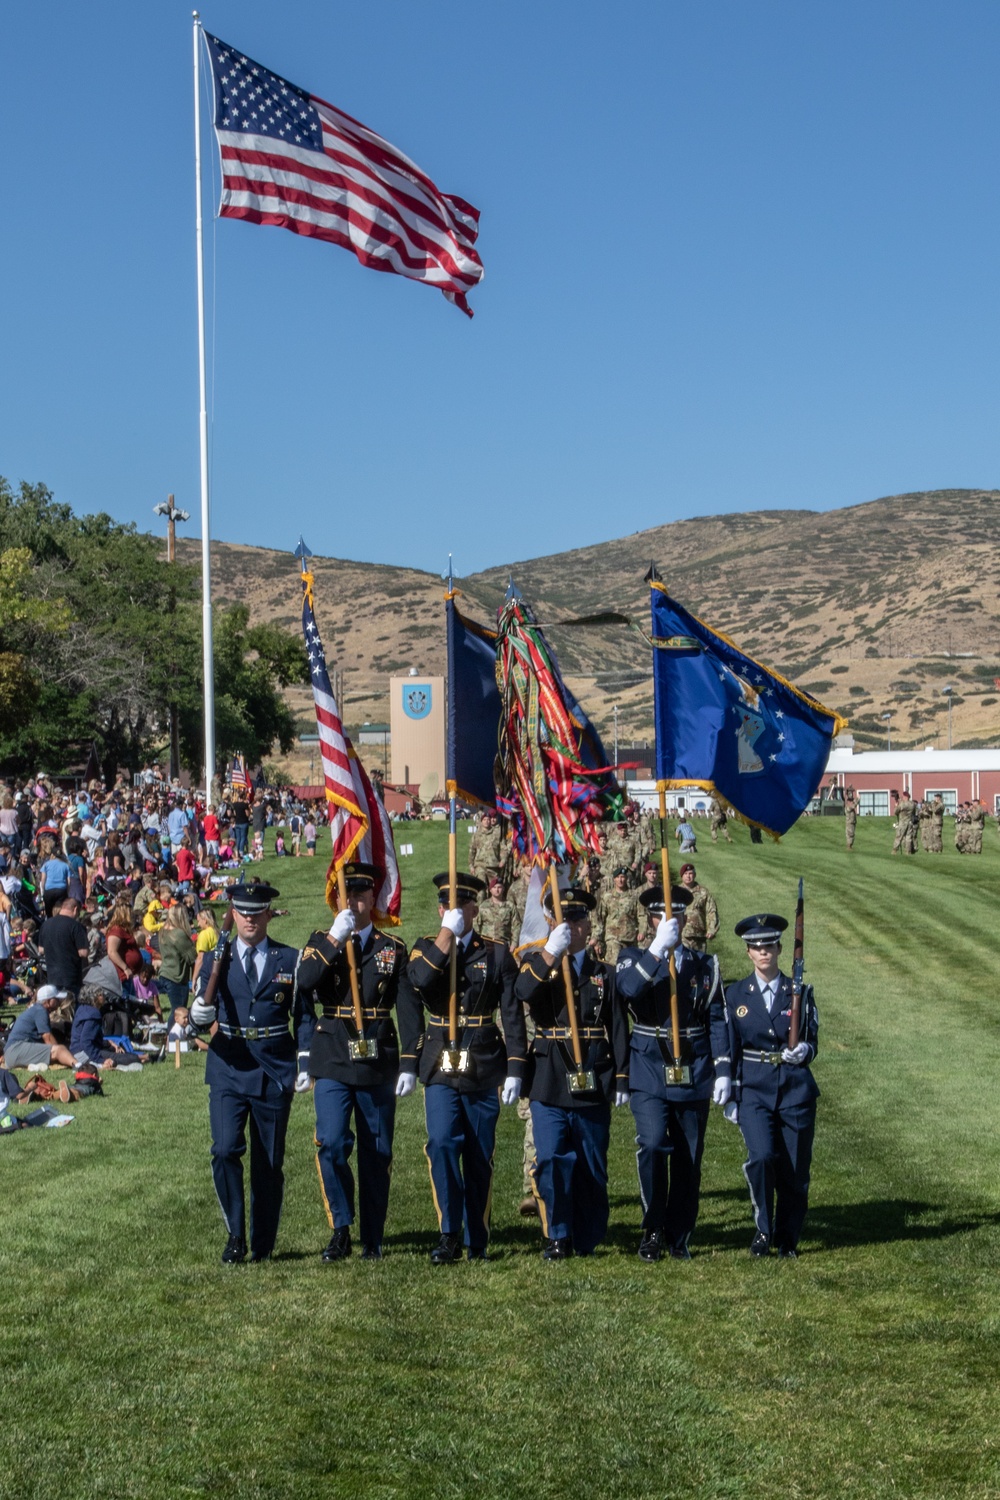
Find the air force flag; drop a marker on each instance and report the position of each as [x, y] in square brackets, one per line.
[728, 725]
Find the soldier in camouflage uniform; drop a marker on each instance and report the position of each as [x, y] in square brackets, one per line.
[496, 916]
[850, 815]
[977, 823]
[623, 849]
[616, 920]
[962, 827]
[720, 823]
[701, 918]
[487, 849]
[650, 877]
[936, 836]
[924, 817]
[906, 824]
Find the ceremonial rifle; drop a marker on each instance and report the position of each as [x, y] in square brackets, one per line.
[208, 996]
[798, 969]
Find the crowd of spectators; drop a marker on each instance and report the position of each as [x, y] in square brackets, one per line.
[108, 900]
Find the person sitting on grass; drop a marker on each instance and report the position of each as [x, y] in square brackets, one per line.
[30, 1042]
[87, 1041]
[181, 1030]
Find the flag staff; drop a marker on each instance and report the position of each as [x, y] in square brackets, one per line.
[303, 554]
[208, 655]
[675, 1023]
[453, 1048]
[574, 1023]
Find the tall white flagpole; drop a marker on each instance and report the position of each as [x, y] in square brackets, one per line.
[208, 662]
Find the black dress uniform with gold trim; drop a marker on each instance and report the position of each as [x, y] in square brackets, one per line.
[461, 1107]
[572, 1129]
[353, 1080]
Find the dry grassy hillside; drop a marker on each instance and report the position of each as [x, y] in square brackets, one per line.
[874, 608]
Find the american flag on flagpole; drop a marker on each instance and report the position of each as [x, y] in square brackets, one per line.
[291, 159]
[239, 775]
[359, 824]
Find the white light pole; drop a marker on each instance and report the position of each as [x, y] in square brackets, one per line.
[888, 730]
[615, 713]
[948, 690]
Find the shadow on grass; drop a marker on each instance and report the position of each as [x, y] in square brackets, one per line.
[882, 1221]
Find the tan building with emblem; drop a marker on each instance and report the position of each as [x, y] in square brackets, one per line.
[417, 719]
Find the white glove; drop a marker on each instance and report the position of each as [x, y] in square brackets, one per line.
[511, 1091]
[202, 1014]
[666, 936]
[795, 1054]
[405, 1084]
[343, 925]
[559, 940]
[621, 1097]
[454, 921]
[732, 1112]
[722, 1091]
[302, 1083]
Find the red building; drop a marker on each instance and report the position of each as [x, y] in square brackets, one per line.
[957, 775]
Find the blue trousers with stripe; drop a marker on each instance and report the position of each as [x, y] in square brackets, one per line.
[461, 1133]
[669, 1133]
[779, 1144]
[571, 1172]
[374, 1112]
[229, 1113]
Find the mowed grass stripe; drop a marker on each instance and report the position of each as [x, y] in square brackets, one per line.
[868, 1367]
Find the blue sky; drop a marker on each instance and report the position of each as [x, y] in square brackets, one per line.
[738, 256]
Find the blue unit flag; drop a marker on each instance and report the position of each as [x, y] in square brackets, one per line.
[728, 725]
[473, 708]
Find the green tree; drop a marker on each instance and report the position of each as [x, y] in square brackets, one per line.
[99, 636]
[252, 664]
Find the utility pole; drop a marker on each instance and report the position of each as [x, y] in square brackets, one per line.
[173, 514]
[615, 713]
[888, 730]
[948, 690]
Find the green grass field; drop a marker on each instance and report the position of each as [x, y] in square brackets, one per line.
[135, 1365]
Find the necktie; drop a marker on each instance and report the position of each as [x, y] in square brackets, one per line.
[250, 967]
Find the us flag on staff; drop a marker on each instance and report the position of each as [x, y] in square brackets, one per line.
[359, 825]
[291, 159]
[239, 775]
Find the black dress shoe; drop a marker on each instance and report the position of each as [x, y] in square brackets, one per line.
[479, 1253]
[651, 1245]
[788, 1252]
[235, 1251]
[371, 1252]
[447, 1250]
[760, 1245]
[680, 1252]
[557, 1249]
[257, 1256]
[339, 1247]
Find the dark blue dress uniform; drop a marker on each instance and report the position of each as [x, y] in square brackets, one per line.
[776, 1102]
[670, 1119]
[461, 1109]
[344, 1085]
[570, 1172]
[250, 1070]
